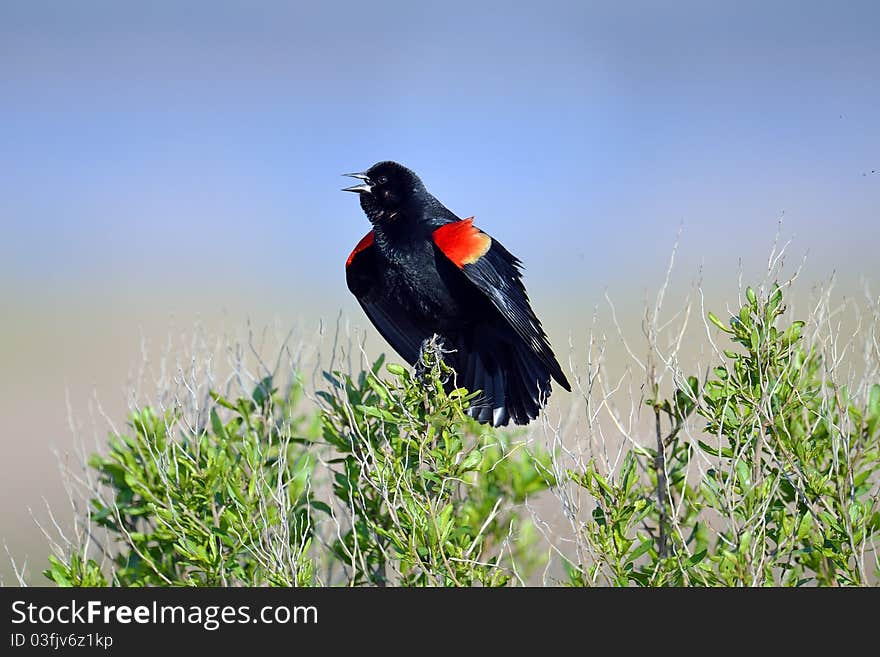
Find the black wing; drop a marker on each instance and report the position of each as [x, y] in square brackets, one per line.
[498, 274]
[361, 275]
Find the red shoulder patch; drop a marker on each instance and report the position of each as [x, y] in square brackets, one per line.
[462, 242]
[364, 244]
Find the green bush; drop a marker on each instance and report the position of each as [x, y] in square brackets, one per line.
[227, 503]
[792, 479]
[765, 472]
[411, 491]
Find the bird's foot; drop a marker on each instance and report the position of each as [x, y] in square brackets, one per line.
[431, 362]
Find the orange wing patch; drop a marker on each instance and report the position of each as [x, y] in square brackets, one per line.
[462, 242]
[364, 244]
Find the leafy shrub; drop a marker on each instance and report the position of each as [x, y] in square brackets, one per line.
[763, 472]
[792, 484]
[418, 493]
[224, 504]
[424, 485]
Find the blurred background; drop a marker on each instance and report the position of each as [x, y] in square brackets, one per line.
[168, 163]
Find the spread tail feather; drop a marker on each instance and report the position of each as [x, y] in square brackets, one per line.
[513, 381]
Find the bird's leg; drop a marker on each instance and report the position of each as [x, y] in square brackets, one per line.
[431, 362]
[427, 358]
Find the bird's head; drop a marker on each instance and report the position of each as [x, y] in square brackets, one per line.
[387, 190]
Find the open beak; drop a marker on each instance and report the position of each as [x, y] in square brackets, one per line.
[364, 188]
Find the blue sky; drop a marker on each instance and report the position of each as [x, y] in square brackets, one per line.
[161, 161]
[146, 142]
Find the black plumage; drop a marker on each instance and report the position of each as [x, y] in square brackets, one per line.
[422, 270]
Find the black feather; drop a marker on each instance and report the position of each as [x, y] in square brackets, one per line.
[498, 274]
[413, 282]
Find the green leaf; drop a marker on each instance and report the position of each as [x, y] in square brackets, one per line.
[743, 474]
[222, 401]
[321, 506]
[472, 461]
[874, 401]
[263, 391]
[775, 298]
[644, 545]
[717, 322]
[628, 478]
[793, 333]
[378, 388]
[217, 425]
[377, 365]
[750, 295]
[603, 484]
[726, 452]
[375, 411]
[395, 369]
[696, 558]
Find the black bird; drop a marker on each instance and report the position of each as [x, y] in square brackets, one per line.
[422, 271]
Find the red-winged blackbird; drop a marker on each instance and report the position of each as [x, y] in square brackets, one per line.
[423, 271]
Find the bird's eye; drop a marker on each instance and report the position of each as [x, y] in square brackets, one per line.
[382, 180]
